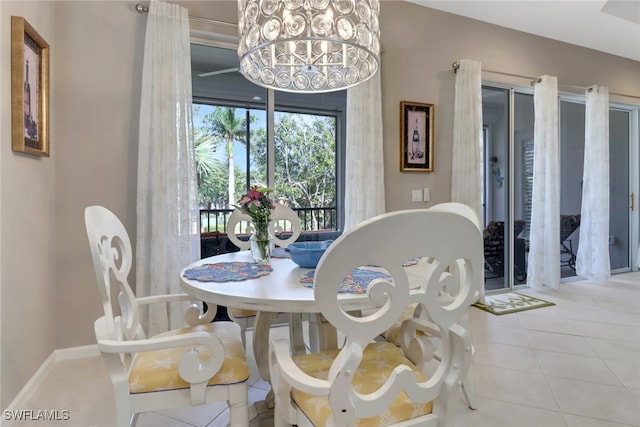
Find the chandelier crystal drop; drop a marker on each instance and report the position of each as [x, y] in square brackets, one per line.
[310, 46]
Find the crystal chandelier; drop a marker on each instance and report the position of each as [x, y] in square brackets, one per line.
[309, 46]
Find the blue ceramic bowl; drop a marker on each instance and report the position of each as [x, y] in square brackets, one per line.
[307, 254]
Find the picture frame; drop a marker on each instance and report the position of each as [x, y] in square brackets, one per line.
[29, 89]
[416, 137]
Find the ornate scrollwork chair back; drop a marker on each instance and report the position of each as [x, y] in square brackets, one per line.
[112, 258]
[200, 363]
[284, 226]
[365, 378]
[238, 220]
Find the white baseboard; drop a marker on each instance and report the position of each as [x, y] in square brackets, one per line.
[58, 355]
[76, 352]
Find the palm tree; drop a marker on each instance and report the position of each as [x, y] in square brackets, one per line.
[209, 168]
[205, 153]
[224, 124]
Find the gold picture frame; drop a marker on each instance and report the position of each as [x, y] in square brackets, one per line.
[416, 137]
[29, 89]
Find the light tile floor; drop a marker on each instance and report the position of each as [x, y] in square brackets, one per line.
[575, 364]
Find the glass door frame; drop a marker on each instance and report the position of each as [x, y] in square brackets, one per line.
[634, 180]
[509, 179]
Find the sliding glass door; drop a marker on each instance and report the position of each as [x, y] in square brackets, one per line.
[508, 120]
[508, 136]
[619, 229]
[572, 125]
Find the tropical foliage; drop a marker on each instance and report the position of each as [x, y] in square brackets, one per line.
[305, 169]
[305, 160]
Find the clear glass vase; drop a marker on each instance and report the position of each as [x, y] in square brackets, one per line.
[261, 243]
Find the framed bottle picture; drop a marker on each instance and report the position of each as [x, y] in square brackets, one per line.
[416, 137]
[29, 89]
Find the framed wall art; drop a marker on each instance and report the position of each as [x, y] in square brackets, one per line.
[29, 89]
[416, 137]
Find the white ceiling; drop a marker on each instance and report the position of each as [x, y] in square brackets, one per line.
[609, 26]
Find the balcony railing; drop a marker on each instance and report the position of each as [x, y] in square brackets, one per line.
[311, 219]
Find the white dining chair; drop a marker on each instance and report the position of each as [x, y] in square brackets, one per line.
[201, 363]
[239, 221]
[378, 383]
[393, 334]
[285, 228]
[285, 225]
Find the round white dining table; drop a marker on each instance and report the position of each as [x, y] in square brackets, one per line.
[279, 291]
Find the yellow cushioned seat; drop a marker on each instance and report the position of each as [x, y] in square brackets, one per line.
[158, 370]
[241, 312]
[379, 360]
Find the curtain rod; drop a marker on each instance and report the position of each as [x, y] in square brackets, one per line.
[140, 8]
[535, 80]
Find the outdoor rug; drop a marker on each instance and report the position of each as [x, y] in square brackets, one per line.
[510, 302]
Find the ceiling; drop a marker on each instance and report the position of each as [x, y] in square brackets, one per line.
[611, 26]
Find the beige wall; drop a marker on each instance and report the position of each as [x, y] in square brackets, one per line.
[98, 105]
[48, 296]
[419, 47]
[47, 288]
[27, 256]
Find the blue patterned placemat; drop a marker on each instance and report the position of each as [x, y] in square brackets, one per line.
[355, 282]
[227, 271]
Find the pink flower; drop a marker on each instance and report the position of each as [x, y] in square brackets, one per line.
[257, 204]
[254, 194]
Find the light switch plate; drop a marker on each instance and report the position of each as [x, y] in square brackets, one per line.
[416, 195]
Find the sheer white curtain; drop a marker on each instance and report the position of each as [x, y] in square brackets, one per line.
[593, 253]
[544, 250]
[167, 210]
[364, 166]
[466, 164]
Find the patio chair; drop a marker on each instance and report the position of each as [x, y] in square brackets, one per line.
[493, 237]
[568, 224]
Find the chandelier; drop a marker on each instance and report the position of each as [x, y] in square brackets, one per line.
[309, 46]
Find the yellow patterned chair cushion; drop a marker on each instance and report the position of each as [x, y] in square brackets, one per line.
[379, 360]
[158, 370]
[241, 312]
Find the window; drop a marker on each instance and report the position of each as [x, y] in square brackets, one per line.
[293, 147]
